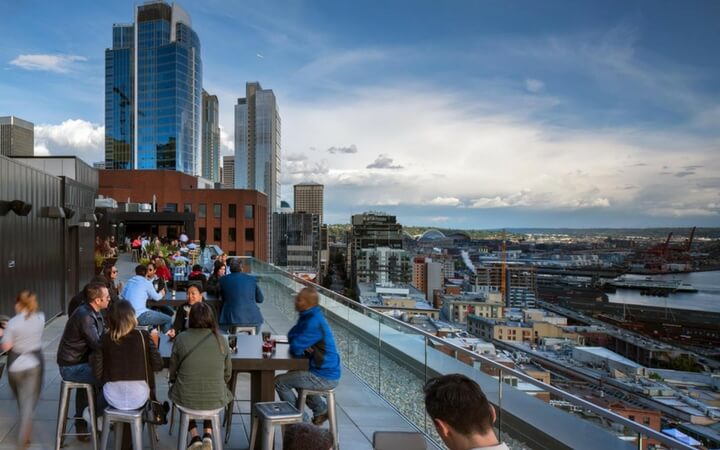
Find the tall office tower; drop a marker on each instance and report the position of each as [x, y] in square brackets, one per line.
[153, 92]
[17, 137]
[375, 230]
[297, 240]
[210, 157]
[257, 148]
[308, 198]
[228, 172]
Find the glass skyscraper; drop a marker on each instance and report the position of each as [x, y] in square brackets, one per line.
[153, 92]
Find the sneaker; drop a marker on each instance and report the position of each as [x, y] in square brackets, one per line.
[196, 443]
[207, 442]
[320, 419]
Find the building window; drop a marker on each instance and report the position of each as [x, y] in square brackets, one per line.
[187, 207]
[231, 234]
[217, 210]
[249, 253]
[232, 210]
[631, 418]
[217, 236]
[646, 421]
[203, 234]
[249, 211]
[249, 234]
[170, 207]
[202, 211]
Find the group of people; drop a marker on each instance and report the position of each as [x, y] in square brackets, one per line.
[102, 345]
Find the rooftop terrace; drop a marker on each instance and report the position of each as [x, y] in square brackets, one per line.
[386, 362]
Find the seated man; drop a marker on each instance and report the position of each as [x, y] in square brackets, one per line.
[240, 295]
[80, 338]
[312, 337]
[137, 291]
[462, 415]
[197, 274]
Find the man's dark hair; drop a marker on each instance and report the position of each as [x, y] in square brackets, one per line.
[107, 269]
[458, 401]
[197, 268]
[235, 265]
[304, 436]
[93, 291]
[141, 269]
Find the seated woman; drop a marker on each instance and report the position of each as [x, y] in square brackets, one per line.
[126, 363]
[213, 283]
[162, 270]
[182, 313]
[200, 370]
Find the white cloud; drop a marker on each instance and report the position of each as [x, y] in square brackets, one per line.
[71, 137]
[439, 219]
[49, 63]
[349, 149]
[445, 201]
[227, 146]
[534, 86]
[384, 162]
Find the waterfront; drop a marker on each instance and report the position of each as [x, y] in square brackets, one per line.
[707, 298]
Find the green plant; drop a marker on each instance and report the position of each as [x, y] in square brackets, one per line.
[144, 261]
[655, 376]
[178, 263]
[99, 259]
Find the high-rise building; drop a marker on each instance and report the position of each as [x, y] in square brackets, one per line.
[228, 172]
[257, 143]
[373, 230]
[297, 242]
[210, 156]
[257, 148]
[383, 265]
[153, 92]
[17, 137]
[308, 198]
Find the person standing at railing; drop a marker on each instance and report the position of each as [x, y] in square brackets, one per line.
[311, 337]
[240, 295]
[461, 413]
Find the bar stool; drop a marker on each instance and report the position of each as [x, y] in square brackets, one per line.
[233, 384]
[271, 414]
[134, 418]
[329, 395]
[187, 414]
[66, 387]
[135, 255]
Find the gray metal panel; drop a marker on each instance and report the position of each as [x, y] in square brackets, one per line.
[31, 247]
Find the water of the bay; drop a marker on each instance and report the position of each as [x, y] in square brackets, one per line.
[707, 298]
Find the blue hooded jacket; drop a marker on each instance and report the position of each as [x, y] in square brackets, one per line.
[312, 331]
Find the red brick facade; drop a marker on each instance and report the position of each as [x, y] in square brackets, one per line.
[176, 189]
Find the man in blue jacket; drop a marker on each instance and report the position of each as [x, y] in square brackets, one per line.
[240, 296]
[311, 337]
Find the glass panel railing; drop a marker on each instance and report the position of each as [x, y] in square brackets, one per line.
[395, 360]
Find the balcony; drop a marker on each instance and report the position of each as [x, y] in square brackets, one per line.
[385, 364]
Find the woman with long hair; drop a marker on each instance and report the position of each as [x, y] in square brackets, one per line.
[213, 283]
[182, 313]
[126, 362]
[22, 338]
[200, 370]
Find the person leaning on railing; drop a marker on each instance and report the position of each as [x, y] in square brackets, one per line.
[461, 413]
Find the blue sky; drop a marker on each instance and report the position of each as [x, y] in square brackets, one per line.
[472, 114]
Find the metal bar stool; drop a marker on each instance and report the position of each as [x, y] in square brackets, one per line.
[271, 414]
[66, 387]
[329, 395]
[187, 414]
[233, 384]
[134, 418]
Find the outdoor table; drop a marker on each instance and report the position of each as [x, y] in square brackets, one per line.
[249, 358]
[181, 298]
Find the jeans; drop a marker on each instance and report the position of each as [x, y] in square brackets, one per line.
[302, 379]
[151, 317]
[26, 386]
[82, 373]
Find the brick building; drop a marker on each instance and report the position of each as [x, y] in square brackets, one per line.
[234, 219]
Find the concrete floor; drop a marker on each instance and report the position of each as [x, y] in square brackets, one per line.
[360, 410]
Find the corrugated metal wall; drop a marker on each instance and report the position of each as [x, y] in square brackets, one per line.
[31, 247]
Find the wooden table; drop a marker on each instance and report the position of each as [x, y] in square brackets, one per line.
[249, 358]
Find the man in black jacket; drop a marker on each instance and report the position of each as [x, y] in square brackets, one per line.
[81, 337]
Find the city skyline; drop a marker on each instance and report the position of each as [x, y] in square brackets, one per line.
[477, 116]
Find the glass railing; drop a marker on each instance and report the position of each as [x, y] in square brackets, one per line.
[395, 359]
